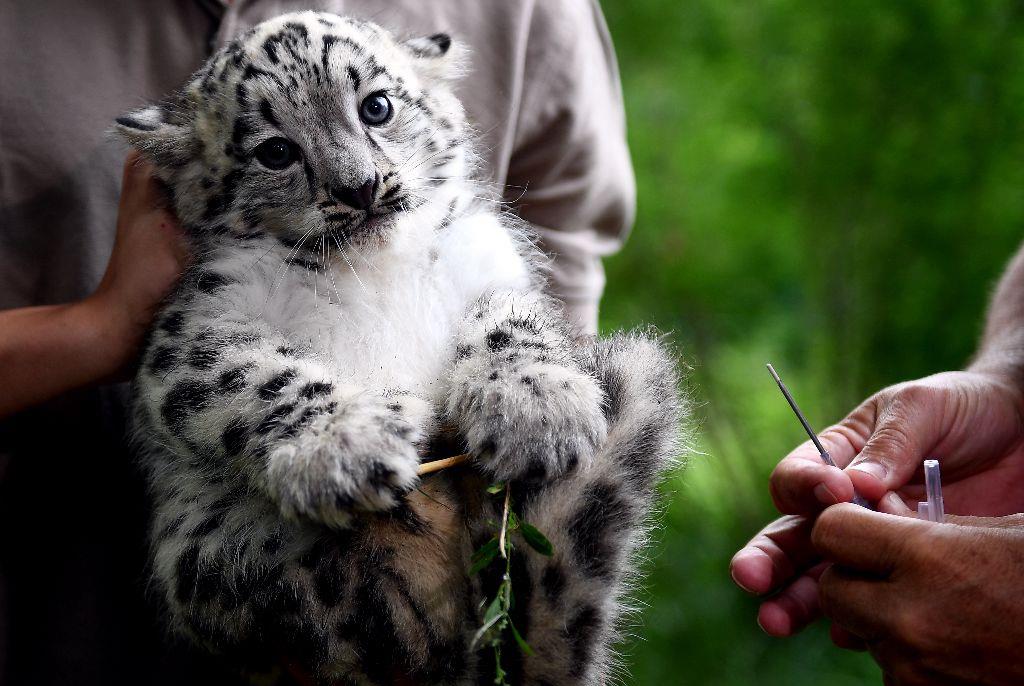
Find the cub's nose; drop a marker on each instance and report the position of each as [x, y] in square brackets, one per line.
[359, 198]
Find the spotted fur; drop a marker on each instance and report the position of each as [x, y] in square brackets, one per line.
[352, 302]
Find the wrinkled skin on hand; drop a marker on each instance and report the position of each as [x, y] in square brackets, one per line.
[971, 421]
[933, 603]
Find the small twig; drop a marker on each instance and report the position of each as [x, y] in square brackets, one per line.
[437, 465]
[504, 521]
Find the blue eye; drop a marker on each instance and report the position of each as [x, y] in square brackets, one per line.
[277, 153]
[376, 109]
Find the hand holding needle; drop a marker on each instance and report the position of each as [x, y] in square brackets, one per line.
[825, 457]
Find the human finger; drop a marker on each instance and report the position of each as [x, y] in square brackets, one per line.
[851, 600]
[892, 503]
[794, 607]
[869, 542]
[803, 484]
[842, 638]
[909, 423]
[774, 556]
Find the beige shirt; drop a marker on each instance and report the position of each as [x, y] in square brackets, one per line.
[542, 92]
[544, 95]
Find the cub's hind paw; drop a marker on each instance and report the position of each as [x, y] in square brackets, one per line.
[534, 422]
[362, 458]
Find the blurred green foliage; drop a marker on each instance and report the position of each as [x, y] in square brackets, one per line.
[834, 187]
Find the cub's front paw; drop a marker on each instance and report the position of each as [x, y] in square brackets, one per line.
[363, 457]
[533, 422]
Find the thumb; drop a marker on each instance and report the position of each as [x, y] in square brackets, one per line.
[905, 430]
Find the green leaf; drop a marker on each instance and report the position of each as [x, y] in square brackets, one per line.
[485, 559]
[496, 488]
[536, 539]
[523, 645]
[485, 549]
[513, 521]
[494, 611]
[491, 617]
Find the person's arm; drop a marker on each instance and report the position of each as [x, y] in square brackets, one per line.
[570, 175]
[1001, 351]
[972, 420]
[49, 350]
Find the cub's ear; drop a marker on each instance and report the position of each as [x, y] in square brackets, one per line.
[430, 46]
[159, 133]
[436, 56]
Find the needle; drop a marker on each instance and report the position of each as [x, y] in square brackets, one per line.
[825, 457]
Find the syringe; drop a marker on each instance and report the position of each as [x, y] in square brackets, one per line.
[825, 457]
[933, 509]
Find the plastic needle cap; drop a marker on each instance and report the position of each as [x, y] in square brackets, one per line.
[825, 457]
[933, 509]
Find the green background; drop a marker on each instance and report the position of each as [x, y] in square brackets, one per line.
[831, 186]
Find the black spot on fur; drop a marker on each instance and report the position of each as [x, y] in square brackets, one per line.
[329, 585]
[289, 242]
[375, 634]
[163, 360]
[353, 76]
[329, 42]
[315, 389]
[171, 527]
[276, 384]
[463, 352]
[135, 124]
[498, 340]
[553, 582]
[235, 436]
[232, 380]
[185, 397]
[208, 282]
[272, 544]
[209, 581]
[641, 453]
[242, 95]
[268, 114]
[592, 529]
[536, 345]
[209, 525]
[270, 48]
[274, 417]
[380, 474]
[187, 572]
[172, 322]
[580, 634]
[252, 71]
[202, 357]
[299, 29]
[528, 324]
[240, 130]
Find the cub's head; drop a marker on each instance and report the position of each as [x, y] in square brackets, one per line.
[309, 126]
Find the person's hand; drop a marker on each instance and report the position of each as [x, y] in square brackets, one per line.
[934, 604]
[149, 254]
[971, 421]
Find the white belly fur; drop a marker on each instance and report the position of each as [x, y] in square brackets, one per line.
[386, 320]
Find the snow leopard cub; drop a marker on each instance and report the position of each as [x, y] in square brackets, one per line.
[350, 300]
